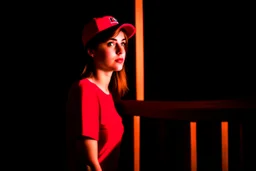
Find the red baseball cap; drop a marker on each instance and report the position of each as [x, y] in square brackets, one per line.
[97, 25]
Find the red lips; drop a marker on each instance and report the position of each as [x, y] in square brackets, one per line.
[119, 60]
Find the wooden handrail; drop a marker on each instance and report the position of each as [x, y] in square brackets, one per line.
[188, 110]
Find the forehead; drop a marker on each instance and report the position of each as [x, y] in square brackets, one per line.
[119, 35]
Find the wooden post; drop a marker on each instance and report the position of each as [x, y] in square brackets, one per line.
[139, 36]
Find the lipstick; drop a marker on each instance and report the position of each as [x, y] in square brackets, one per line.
[119, 60]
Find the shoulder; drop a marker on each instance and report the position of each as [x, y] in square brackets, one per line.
[83, 86]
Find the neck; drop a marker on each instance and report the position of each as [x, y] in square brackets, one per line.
[102, 80]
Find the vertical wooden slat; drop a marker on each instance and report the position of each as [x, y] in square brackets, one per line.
[241, 150]
[139, 49]
[193, 146]
[136, 151]
[224, 145]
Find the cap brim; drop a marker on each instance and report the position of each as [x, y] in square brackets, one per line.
[129, 29]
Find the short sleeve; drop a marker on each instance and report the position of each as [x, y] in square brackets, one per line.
[89, 111]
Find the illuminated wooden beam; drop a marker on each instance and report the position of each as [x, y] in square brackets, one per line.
[193, 146]
[139, 49]
[224, 145]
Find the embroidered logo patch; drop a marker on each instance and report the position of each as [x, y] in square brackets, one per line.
[113, 20]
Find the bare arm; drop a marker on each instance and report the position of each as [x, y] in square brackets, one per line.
[91, 148]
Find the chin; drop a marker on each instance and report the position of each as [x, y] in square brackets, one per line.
[118, 68]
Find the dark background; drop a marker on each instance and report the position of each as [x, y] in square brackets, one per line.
[193, 51]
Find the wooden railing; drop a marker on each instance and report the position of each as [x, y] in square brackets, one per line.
[217, 134]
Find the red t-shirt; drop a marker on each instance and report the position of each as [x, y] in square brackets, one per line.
[92, 113]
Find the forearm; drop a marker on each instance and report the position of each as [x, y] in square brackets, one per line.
[91, 150]
[93, 167]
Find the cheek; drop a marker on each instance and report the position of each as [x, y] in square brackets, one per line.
[106, 52]
[103, 56]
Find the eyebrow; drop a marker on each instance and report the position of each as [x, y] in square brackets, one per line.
[116, 39]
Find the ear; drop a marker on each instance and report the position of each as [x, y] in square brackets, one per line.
[90, 52]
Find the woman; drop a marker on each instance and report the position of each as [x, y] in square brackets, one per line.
[93, 122]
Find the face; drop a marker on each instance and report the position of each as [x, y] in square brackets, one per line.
[110, 55]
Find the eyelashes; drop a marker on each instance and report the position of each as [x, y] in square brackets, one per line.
[114, 44]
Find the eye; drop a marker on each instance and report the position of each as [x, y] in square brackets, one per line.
[123, 43]
[111, 44]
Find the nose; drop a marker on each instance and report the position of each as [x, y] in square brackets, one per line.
[120, 49]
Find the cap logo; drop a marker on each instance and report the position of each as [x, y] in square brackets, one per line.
[113, 20]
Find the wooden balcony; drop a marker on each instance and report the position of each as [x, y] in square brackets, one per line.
[214, 135]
